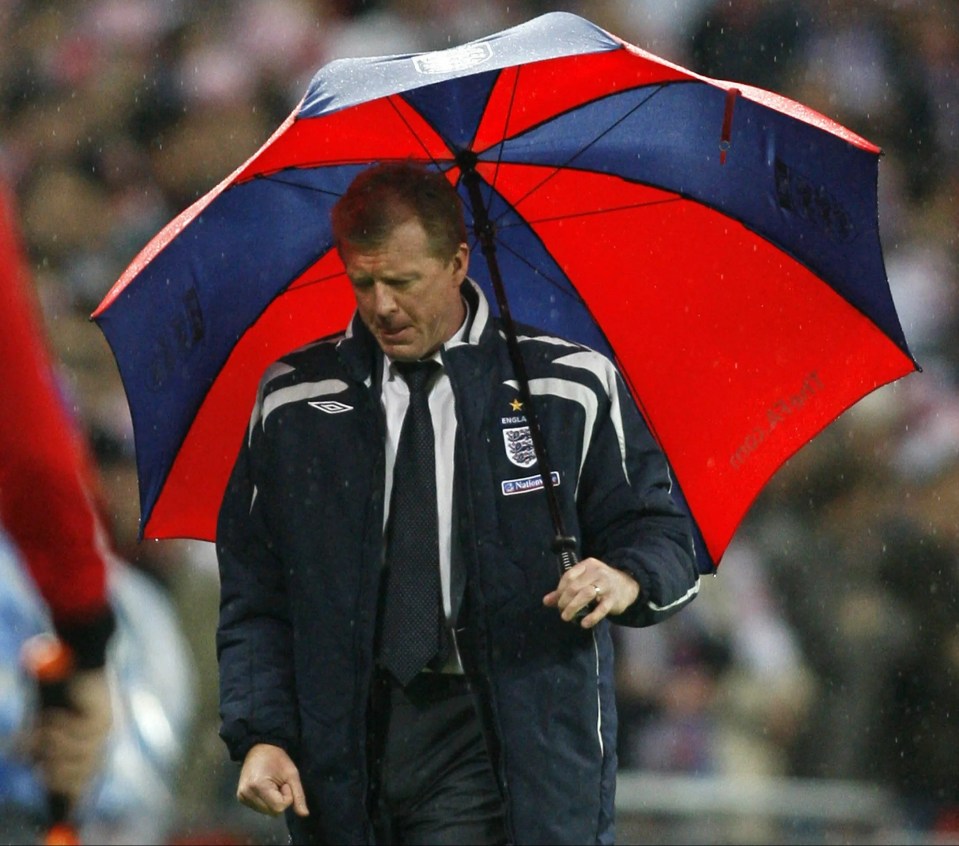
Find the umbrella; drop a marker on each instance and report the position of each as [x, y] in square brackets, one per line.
[718, 241]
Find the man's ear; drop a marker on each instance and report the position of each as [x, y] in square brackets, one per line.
[461, 262]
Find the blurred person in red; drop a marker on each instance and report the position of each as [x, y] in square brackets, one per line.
[47, 511]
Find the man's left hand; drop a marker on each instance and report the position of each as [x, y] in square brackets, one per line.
[588, 581]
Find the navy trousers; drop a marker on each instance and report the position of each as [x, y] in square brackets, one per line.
[436, 784]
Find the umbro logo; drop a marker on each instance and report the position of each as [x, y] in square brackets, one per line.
[331, 406]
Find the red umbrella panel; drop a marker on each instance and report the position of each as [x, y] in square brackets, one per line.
[720, 242]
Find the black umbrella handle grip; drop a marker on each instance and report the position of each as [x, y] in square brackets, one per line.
[52, 693]
[565, 549]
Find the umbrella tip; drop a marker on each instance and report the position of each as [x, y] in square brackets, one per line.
[724, 142]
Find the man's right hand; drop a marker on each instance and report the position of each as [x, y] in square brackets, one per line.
[270, 782]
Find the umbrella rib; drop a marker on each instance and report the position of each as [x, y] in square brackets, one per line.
[274, 178]
[502, 142]
[607, 210]
[557, 168]
[391, 100]
[557, 284]
[309, 283]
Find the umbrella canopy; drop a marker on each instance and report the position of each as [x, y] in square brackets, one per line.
[718, 241]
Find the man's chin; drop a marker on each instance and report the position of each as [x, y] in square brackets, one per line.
[399, 350]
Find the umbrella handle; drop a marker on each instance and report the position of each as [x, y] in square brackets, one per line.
[565, 548]
[49, 662]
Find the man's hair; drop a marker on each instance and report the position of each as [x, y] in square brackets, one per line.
[386, 195]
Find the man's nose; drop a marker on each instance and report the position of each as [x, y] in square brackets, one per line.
[384, 302]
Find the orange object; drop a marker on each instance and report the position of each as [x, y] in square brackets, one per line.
[61, 834]
[47, 659]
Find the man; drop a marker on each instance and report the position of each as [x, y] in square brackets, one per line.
[506, 733]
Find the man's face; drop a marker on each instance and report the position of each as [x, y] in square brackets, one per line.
[408, 298]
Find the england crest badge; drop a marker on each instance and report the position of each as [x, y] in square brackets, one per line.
[519, 446]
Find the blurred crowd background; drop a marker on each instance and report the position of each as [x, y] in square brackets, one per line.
[828, 645]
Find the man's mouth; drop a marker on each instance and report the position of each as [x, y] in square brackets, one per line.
[392, 332]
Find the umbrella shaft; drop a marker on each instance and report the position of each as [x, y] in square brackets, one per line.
[563, 545]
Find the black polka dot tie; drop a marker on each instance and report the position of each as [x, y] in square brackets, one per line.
[412, 625]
